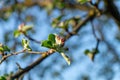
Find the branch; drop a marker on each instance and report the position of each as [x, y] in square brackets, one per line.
[31, 66]
[44, 3]
[30, 38]
[8, 55]
[111, 7]
[80, 24]
[16, 53]
[97, 39]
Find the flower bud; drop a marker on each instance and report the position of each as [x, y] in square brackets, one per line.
[59, 40]
[20, 27]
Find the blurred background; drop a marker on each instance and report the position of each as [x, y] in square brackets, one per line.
[40, 14]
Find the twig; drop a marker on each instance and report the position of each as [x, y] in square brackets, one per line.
[19, 67]
[80, 24]
[114, 11]
[31, 66]
[34, 52]
[30, 38]
[8, 55]
[97, 39]
[16, 53]
[93, 30]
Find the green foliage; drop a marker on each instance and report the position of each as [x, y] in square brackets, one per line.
[22, 29]
[47, 43]
[1, 49]
[16, 33]
[52, 43]
[83, 1]
[4, 48]
[2, 78]
[59, 4]
[64, 25]
[26, 28]
[67, 59]
[92, 53]
[25, 44]
[51, 38]
[56, 21]
[5, 14]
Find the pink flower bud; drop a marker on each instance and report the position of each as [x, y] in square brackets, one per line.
[59, 40]
[21, 26]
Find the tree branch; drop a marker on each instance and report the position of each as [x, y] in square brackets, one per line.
[31, 66]
[16, 53]
[30, 38]
[97, 39]
[91, 15]
[8, 55]
[111, 7]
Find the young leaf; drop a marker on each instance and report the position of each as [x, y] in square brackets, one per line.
[82, 1]
[87, 51]
[91, 54]
[59, 17]
[2, 78]
[51, 38]
[16, 33]
[26, 28]
[47, 44]
[67, 59]
[25, 44]
[29, 48]
[1, 49]
[56, 21]
[6, 48]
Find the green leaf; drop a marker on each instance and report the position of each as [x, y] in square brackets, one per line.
[51, 38]
[26, 28]
[83, 1]
[91, 54]
[6, 48]
[56, 21]
[16, 33]
[67, 59]
[29, 48]
[2, 78]
[54, 24]
[47, 44]
[25, 44]
[87, 51]
[59, 17]
[1, 49]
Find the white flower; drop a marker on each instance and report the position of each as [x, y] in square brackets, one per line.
[59, 40]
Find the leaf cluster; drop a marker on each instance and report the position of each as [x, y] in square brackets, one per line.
[52, 44]
[4, 48]
[91, 53]
[25, 44]
[22, 29]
